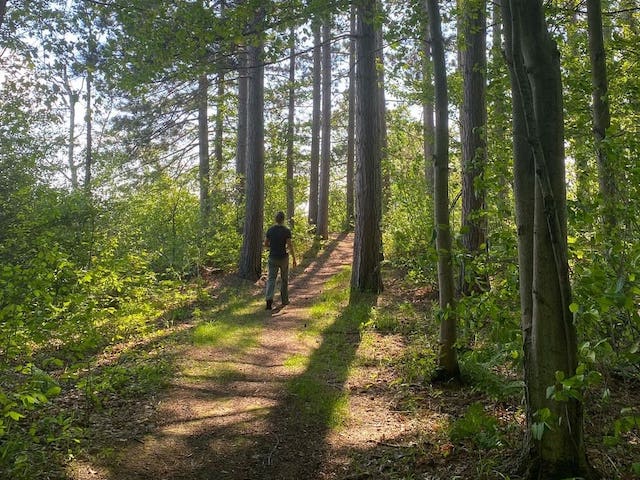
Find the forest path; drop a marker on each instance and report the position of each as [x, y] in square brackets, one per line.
[230, 412]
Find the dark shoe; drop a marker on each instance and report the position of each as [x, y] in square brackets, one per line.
[269, 304]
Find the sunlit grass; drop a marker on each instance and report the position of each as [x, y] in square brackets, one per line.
[296, 361]
[337, 322]
[228, 333]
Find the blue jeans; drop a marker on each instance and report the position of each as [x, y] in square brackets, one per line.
[276, 264]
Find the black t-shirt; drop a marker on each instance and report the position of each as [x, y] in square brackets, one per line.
[278, 235]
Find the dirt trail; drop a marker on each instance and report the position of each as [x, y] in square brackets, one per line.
[237, 423]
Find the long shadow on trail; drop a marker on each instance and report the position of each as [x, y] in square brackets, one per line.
[242, 415]
[315, 401]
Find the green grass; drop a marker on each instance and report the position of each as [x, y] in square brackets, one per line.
[337, 322]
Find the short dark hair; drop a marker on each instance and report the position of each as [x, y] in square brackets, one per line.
[280, 217]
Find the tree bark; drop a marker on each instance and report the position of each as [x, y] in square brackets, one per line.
[72, 99]
[3, 10]
[315, 124]
[203, 151]
[325, 150]
[251, 256]
[447, 356]
[552, 344]
[386, 173]
[601, 115]
[351, 133]
[89, 113]
[428, 127]
[473, 135]
[367, 254]
[290, 127]
[218, 154]
[241, 147]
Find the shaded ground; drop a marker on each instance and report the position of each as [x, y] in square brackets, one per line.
[241, 406]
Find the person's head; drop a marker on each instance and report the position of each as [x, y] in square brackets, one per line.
[279, 217]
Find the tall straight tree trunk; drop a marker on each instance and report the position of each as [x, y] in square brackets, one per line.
[447, 356]
[88, 116]
[367, 249]
[601, 115]
[203, 151]
[524, 196]
[241, 147]
[315, 123]
[386, 173]
[351, 127]
[290, 126]
[559, 450]
[325, 150]
[473, 125]
[251, 256]
[3, 10]
[428, 127]
[218, 140]
[72, 99]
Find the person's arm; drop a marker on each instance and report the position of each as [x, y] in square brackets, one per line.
[293, 253]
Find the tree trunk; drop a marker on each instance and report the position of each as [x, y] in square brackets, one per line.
[72, 99]
[3, 10]
[88, 117]
[428, 127]
[203, 151]
[367, 250]
[447, 356]
[473, 123]
[601, 115]
[351, 132]
[290, 127]
[251, 257]
[315, 125]
[559, 451]
[524, 196]
[386, 173]
[241, 148]
[325, 150]
[219, 127]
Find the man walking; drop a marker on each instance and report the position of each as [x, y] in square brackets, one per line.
[278, 240]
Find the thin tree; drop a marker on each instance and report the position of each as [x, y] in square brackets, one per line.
[367, 250]
[218, 138]
[428, 127]
[325, 145]
[447, 356]
[554, 441]
[251, 256]
[3, 10]
[71, 100]
[241, 130]
[473, 123]
[88, 116]
[601, 114]
[291, 126]
[202, 97]
[351, 125]
[315, 123]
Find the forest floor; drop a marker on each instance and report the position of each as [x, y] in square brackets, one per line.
[298, 393]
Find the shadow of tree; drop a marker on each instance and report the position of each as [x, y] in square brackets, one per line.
[254, 432]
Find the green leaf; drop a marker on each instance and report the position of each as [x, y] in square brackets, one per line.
[537, 430]
[574, 307]
[15, 416]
